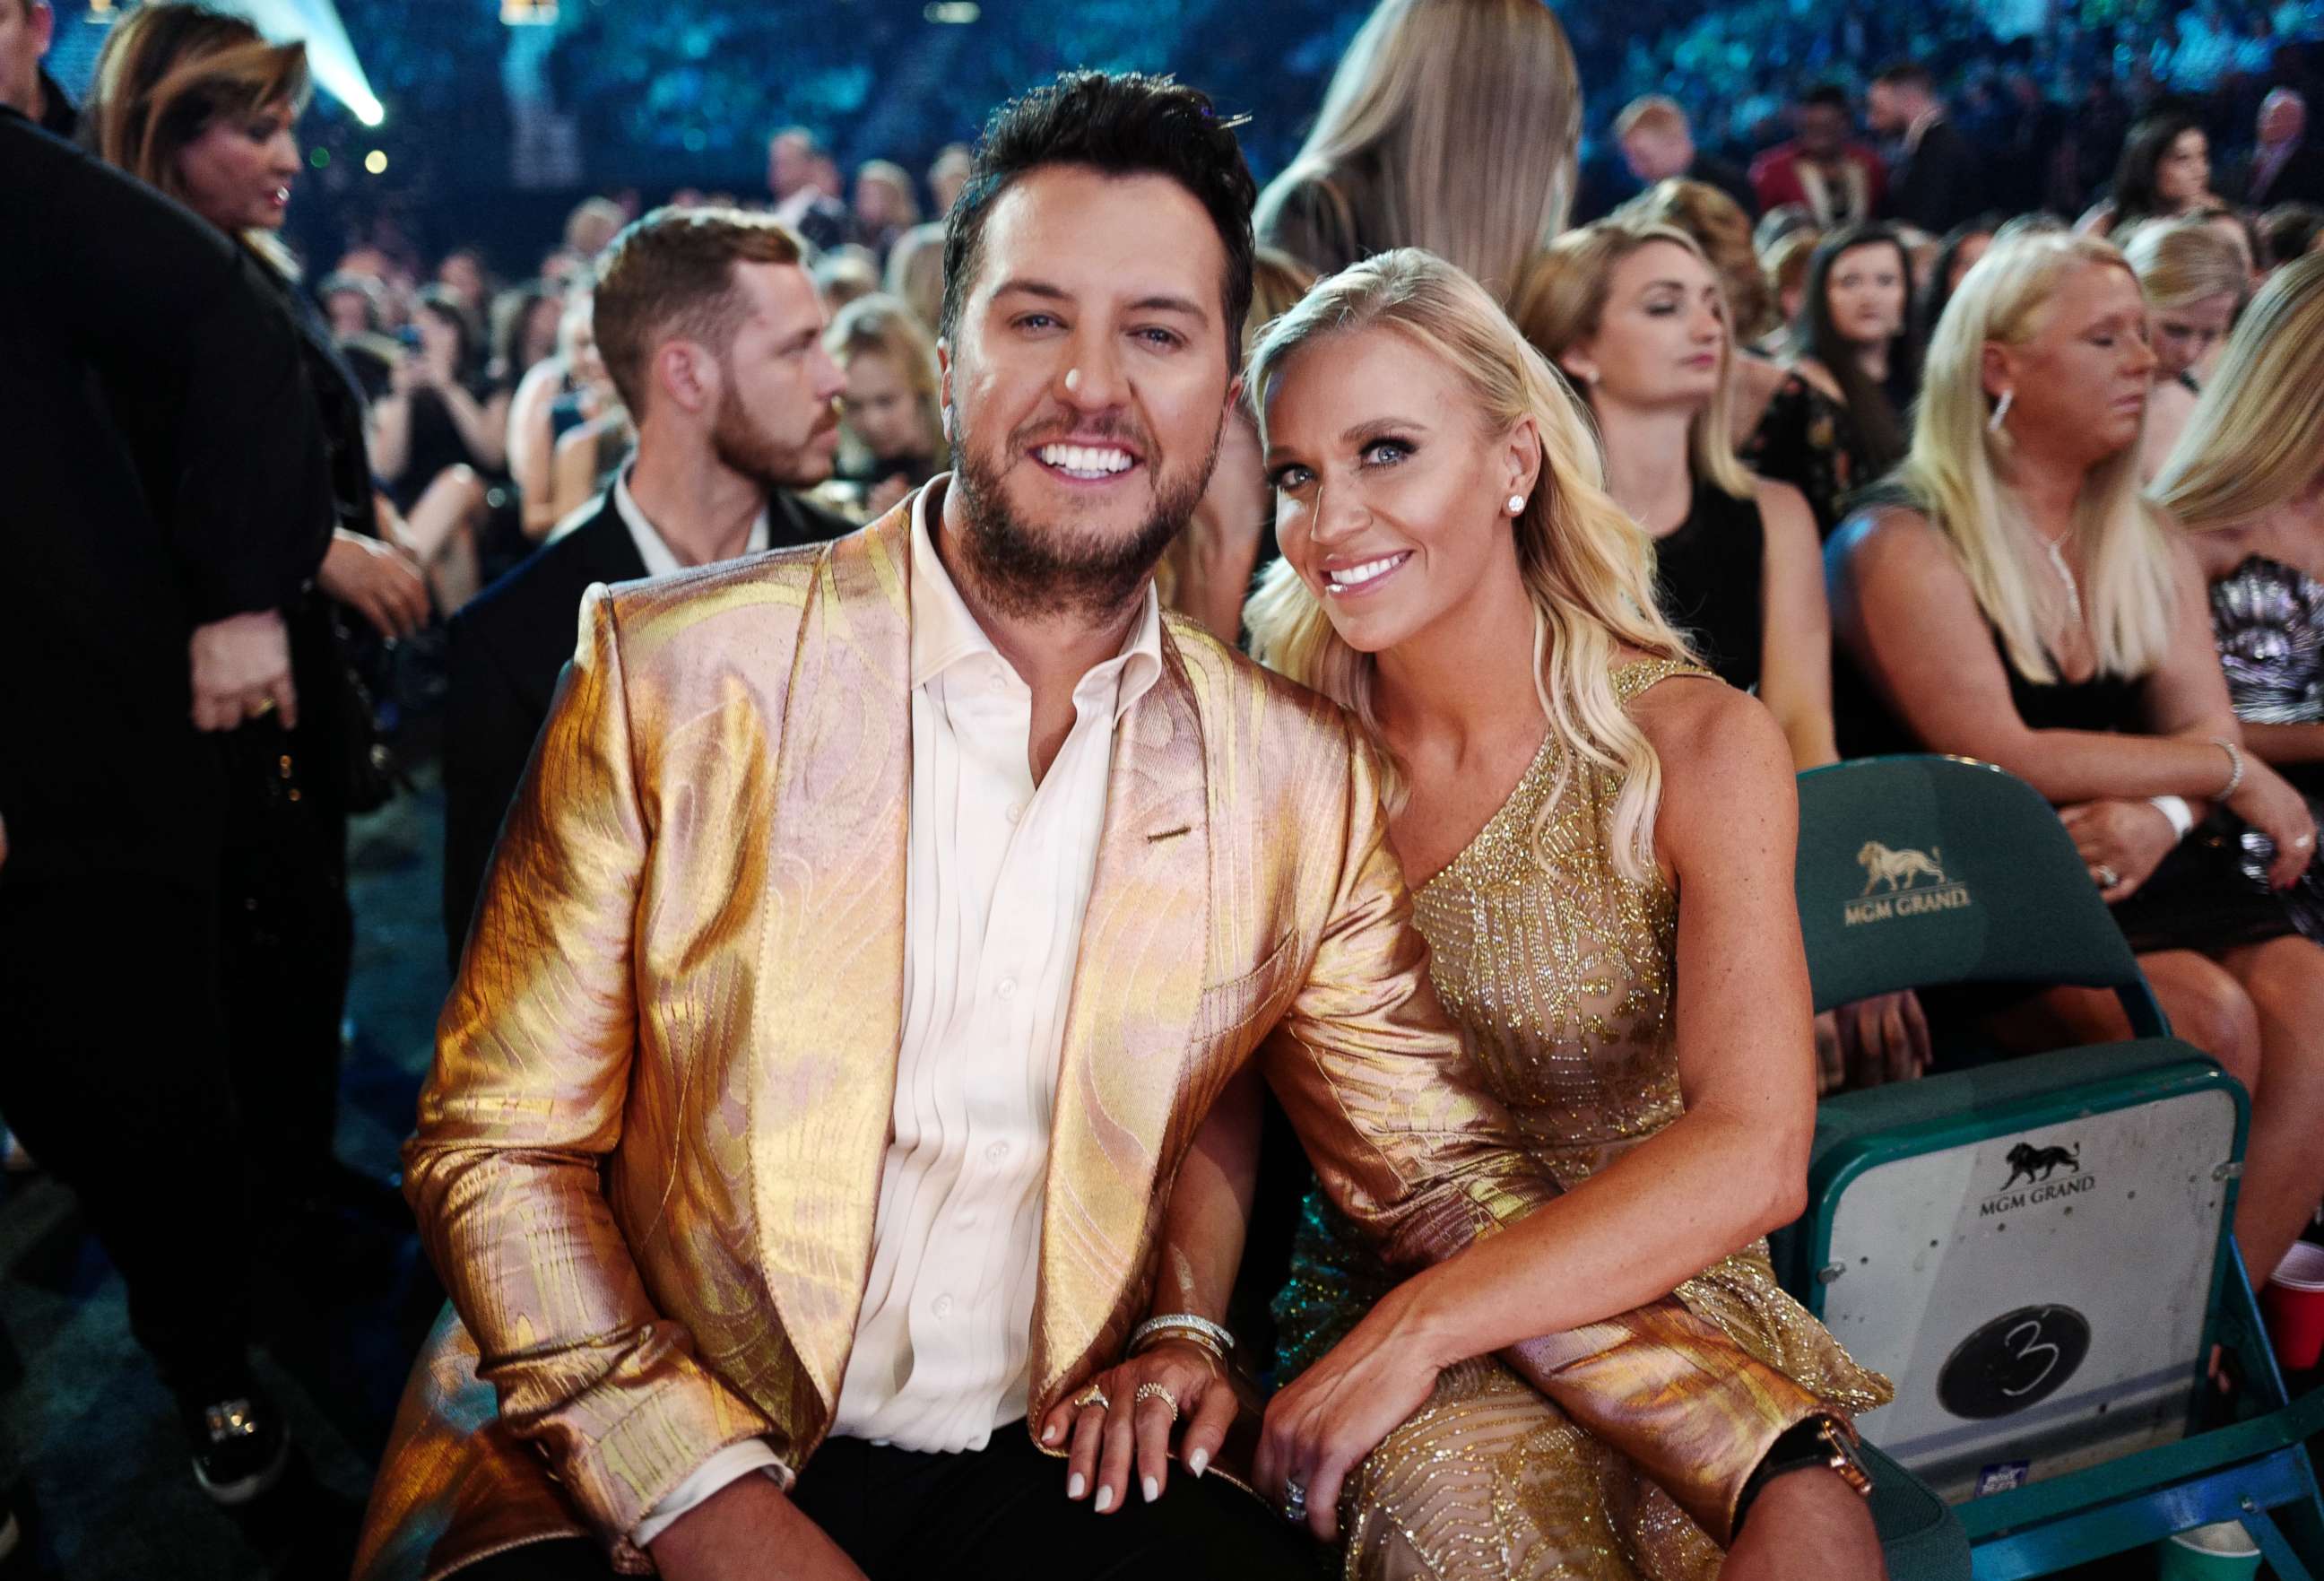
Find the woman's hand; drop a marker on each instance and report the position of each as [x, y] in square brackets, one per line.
[886, 495]
[2266, 801]
[378, 580]
[1322, 1424]
[1105, 1436]
[2120, 842]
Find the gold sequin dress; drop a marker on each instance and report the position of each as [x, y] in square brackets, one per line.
[1562, 971]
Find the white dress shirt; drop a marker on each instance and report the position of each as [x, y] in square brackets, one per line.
[997, 878]
[661, 560]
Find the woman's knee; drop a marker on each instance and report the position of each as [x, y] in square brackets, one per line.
[2284, 980]
[2209, 1008]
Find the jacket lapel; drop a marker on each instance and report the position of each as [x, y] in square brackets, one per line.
[1138, 986]
[829, 1016]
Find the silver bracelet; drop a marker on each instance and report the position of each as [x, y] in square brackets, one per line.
[2236, 767]
[1186, 1322]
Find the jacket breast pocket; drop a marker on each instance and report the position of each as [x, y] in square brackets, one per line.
[1230, 1006]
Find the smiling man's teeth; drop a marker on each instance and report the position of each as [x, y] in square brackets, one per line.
[1085, 460]
[1356, 576]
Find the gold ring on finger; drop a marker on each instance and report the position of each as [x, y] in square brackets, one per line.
[264, 707]
[1149, 1390]
[1092, 1395]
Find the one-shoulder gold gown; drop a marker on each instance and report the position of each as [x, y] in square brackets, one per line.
[1561, 969]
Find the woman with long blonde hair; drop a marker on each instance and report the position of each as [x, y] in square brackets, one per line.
[1449, 125]
[1634, 315]
[2015, 600]
[2247, 481]
[1585, 814]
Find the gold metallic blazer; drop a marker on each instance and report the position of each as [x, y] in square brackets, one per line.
[648, 1157]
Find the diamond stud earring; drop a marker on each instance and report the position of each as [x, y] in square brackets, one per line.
[1516, 505]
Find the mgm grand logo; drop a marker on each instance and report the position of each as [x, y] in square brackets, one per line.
[2030, 1182]
[1901, 884]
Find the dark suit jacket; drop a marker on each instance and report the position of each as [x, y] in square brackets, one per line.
[2299, 180]
[164, 469]
[507, 648]
[1936, 187]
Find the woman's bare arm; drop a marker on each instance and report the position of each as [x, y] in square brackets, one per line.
[1795, 627]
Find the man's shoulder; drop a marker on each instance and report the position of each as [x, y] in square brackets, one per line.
[1229, 683]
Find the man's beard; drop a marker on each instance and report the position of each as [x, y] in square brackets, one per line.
[744, 445]
[1029, 570]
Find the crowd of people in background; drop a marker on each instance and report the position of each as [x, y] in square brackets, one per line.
[2036, 383]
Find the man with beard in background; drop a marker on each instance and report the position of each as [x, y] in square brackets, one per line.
[711, 328]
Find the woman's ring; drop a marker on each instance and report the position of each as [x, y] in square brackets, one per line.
[1149, 1390]
[2106, 877]
[1295, 1502]
[1092, 1395]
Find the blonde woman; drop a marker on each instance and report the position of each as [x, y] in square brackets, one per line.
[1635, 317]
[2247, 480]
[892, 435]
[1449, 125]
[1585, 814]
[2017, 602]
[1720, 228]
[2195, 282]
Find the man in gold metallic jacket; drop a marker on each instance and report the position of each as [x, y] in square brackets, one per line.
[650, 1158]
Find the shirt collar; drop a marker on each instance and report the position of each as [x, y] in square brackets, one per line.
[660, 560]
[1921, 124]
[944, 632]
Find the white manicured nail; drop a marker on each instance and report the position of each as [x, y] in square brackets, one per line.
[1049, 1433]
[1105, 1500]
[1198, 1462]
[1073, 1487]
[1153, 1490]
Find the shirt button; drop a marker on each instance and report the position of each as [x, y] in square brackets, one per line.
[996, 1152]
[942, 1306]
[1016, 810]
[1006, 988]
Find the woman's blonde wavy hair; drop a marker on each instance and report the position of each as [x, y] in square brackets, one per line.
[2255, 441]
[886, 325]
[1564, 302]
[1957, 468]
[1587, 568]
[168, 70]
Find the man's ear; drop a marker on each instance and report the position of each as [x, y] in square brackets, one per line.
[688, 375]
[944, 379]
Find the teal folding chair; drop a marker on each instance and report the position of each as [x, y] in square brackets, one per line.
[1983, 1236]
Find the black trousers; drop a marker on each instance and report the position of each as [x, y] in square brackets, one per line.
[113, 1070]
[286, 944]
[997, 1512]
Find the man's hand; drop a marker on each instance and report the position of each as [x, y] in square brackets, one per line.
[750, 1531]
[242, 670]
[1806, 1526]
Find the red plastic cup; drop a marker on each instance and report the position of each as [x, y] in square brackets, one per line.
[2293, 1305]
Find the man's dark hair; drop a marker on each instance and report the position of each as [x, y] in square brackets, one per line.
[1906, 74]
[1121, 125]
[1829, 96]
[2288, 230]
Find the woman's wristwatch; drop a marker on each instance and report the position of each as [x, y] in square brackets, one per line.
[1815, 1441]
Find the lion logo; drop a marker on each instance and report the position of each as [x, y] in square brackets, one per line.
[1898, 869]
[2025, 1158]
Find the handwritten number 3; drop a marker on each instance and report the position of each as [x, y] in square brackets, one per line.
[2032, 1328]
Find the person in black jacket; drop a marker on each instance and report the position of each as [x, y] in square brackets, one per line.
[2283, 166]
[167, 496]
[197, 106]
[26, 27]
[1933, 171]
[711, 330]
